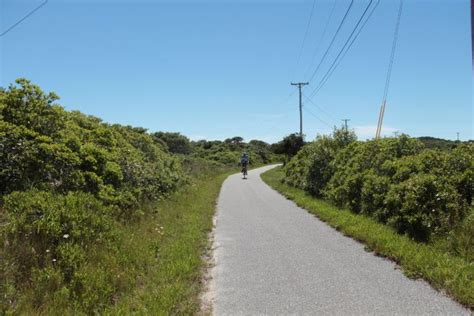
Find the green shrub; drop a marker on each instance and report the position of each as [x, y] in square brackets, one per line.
[424, 205]
[289, 146]
[420, 192]
[28, 159]
[228, 152]
[297, 169]
[310, 169]
[47, 148]
[352, 163]
[460, 170]
[46, 233]
[65, 180]
[175, 142]
[373, 194]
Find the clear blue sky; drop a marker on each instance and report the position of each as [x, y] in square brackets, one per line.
[216, 69]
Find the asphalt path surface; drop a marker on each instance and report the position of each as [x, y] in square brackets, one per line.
[274, 258]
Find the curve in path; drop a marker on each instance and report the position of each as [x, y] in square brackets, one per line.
[272, 257]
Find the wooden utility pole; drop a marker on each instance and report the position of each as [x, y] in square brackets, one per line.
[345, 123]
[300, 84]
[389, 72]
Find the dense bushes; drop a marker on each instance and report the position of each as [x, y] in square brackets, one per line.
[224, 153]
[175, 142]
[352, 164]
[66, 180]
[438, 143]
[310, 170]
[289, 145]
[45, 147]
[420, 192]
[228, 152]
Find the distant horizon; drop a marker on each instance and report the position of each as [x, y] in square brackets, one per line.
[245, 139]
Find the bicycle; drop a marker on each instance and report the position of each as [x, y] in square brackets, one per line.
[244, 171]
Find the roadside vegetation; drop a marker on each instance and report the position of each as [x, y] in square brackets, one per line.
[167, 249]
[405, 201]
[438, 143]
[97, 217]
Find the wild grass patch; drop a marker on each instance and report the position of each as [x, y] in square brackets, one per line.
[169, 245]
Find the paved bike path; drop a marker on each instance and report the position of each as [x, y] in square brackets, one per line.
[274, 258]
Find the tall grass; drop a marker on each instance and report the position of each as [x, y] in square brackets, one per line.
[152, 266]
[169, 245]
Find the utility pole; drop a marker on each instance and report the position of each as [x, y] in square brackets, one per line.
[345, 123]
[457, 138]
[300, 84]
[389, 73]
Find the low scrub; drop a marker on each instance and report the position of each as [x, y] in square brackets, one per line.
[45, 147]
[424, 193]
[67, 184]
[229, 151]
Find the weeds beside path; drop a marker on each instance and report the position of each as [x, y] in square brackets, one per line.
[170, 244]
[443, 271]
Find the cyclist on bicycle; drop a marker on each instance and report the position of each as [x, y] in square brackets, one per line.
[244, 161]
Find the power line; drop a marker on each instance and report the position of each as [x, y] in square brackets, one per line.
[288, 97]
[318, 118]
[320, 108]
[326, 75]
[285, 114]
[305, 35]
[357, 35]
[347, 49]
[472, 33]
[333, 39]
[389, 71]
[24, 18]
[277, 123]
[321, 39]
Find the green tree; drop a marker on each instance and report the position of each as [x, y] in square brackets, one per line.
[175, 142]
[289, 146]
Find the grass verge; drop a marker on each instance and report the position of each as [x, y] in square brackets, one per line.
[168, 247]
[445, 272]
